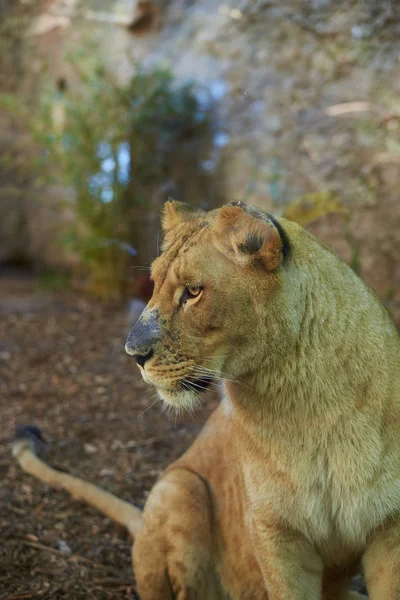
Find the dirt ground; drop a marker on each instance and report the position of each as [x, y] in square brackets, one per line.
[63, 368]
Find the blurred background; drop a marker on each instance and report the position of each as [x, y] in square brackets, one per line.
[106, 110]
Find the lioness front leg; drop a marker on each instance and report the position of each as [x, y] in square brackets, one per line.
[382, 563]
[173, 554]
[291, 568]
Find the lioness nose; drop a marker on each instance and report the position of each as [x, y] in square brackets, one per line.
[143, 337]
[142, 358]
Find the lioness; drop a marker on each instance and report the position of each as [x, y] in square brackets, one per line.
[295, 479]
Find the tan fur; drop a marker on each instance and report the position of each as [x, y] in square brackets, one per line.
[295, 479]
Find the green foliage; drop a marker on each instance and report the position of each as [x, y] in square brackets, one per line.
[112, 143]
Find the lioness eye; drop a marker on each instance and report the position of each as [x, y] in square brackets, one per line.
[189, 293]
[193, 291]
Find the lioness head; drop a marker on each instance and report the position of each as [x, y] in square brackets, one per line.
[216, 288]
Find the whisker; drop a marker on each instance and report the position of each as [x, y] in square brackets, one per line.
[214, 383]
[201, 370]
[152, 404]
[207, 373]
[213, 358]
[141, 267]
[189, 381]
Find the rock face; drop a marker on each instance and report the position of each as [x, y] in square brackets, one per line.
[48, 212]
[33, 217]
[32, 223]
[12, 225]
[306, 100]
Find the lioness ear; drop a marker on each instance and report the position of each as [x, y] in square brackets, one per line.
[247, 238]
[175, 212]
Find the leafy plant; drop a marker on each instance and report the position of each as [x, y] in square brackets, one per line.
[112, 144]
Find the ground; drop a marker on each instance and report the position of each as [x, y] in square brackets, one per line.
[63, 368]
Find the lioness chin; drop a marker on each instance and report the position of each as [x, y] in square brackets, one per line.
[295, 480]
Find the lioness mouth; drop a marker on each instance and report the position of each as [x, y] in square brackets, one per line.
[198, 385]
